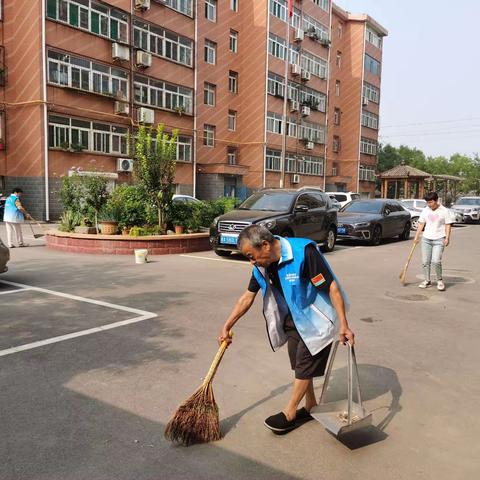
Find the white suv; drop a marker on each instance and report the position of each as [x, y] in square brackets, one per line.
[344, 197]
[469, 207]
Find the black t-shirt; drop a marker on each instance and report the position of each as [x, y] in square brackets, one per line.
[314, 270]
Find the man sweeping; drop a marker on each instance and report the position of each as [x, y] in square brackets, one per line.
[304, 307]
[13, 216]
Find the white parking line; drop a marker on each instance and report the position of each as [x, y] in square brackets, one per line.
[141, 315]
[14, 291]
[238, 262]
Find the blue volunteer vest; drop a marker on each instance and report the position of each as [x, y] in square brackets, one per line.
[312, 311]
[12, 213]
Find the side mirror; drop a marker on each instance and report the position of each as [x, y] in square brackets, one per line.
[386, 212]
[301, 208]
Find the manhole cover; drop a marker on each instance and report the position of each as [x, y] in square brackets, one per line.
[414, 297]
[451, 279]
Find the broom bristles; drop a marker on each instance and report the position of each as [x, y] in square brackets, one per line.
[196, 419]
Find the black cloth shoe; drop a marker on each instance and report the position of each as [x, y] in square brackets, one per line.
[279, 423]
[303, 416]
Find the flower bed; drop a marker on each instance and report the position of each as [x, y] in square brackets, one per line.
[125, 245]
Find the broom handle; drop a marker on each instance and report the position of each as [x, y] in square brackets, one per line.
[404, 271]
[216, 361]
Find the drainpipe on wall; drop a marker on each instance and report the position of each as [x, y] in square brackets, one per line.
[327, 102]
[361, 105]
[195, 80]
[264, 170]
[45, 118]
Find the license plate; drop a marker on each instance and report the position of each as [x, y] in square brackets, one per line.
[341, 230]
[229, 238]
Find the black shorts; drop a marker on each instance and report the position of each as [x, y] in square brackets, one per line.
[305, 365]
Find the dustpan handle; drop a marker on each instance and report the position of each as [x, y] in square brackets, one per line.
[352, 370]
[329, 371]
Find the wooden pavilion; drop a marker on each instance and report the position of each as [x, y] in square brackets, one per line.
[404, 181]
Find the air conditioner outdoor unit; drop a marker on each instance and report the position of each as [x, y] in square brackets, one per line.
[309, 145]
[365, 101]
[145, 115]
[119, 95]
[144, 59]
[124, 165]
[120, 52]
[121, 108]
[325, 42]
[296, 69]
[299, 35]
[294, 105]
[306, 75]
[305, 110]
[295, 178]
[323, 76]
[312, 33]
[142, 4]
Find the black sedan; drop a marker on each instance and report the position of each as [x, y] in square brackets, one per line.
[372, 220]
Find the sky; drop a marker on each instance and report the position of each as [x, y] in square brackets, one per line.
[430, 74]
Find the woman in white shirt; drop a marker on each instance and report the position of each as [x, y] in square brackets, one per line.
[436, 223]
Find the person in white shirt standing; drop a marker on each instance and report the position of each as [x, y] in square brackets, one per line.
[436, 223]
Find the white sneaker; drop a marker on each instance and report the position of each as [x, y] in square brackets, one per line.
[425, 284]
[441, 285]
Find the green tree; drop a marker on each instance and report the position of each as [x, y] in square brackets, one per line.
[154, 166]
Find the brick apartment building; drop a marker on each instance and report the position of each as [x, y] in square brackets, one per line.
[76, 76]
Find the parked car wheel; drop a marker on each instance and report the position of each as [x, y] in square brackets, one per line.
[415, 223]
[405, 235]
[376, 236]
[329, 244]
[223, 253]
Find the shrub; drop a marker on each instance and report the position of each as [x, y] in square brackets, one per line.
[132, 205]
[69, 220]
[215, 208]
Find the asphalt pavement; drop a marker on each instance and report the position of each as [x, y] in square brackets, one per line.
[96, 353]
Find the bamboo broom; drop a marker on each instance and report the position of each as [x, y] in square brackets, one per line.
[196, 419]
[403, 273]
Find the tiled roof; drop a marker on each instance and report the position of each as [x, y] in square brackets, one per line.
[404, 171]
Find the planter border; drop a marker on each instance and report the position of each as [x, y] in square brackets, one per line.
[125, 245]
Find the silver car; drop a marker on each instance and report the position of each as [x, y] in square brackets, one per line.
[469, 207]
[4, 257]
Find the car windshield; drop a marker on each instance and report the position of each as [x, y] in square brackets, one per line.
[468, 201]
[363, 207]
[407, 203]
[275, 202]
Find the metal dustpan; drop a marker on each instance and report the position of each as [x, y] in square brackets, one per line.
[343, 416]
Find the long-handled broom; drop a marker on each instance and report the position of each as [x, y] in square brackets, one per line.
[36, 235]
[403, 273]
[196, 419]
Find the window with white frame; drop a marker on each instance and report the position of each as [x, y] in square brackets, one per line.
[338, 59]
[310, 25]
[234, 5]
[275, 85]
[372, 65]
[368, 146]
[323, 4]
[369, 120]
[163, 43]
[309, 165]
[290, 163]
[164, 95]
[232, 81]
[211, 10]
[95, 137]
[308, 96]
[233, 41]
[274, 123]
[273, 160]
[335, 169]
[366, 173]
[209, 135]
[71, 71]
[209, 90]
[184, 149]
[90, 16]
[210, 52]
[311, 131]
[371, 92]
[232, 155]
[182, 6]
[336, 144]
[232, 120]
[337, 88]
[292, 127]
[277, 46]
[373, 37]
[340, 30]
[279, 9]
[336, 116]
[313, 64]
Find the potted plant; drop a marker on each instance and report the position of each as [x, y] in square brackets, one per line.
[180, 215]
[77, 147]
[180, 109]
[109, 219]
[86, 226]
[65, 146]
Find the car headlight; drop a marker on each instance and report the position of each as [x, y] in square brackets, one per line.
[468, 210]
[361, 225]
[268, 224]
[215, 221]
